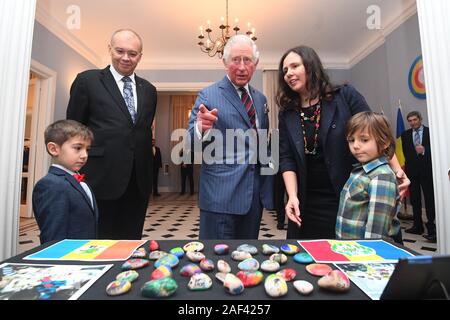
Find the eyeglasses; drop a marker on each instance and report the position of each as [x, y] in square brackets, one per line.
[239, 60]
[132, 54]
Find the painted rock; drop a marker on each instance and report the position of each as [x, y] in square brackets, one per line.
[207, 264]
[318, 269]
[200, 281]
[270, 266]
[289, 249]
[153, 245]
[129, 275]
[303, 287]
[287, 274]
[223, 266]
[118, 287]
[221, 276]
[303, 258]
[281, 258]
[155, 255]
[195, 256]
[168, 260]
[178, 251]
[139, 253]
[160, 288]
[275, 286]
[249, 265]
[247, 248]
[189, 270]
[221, 249]
[135, 264]
[162, 271]
[269, 249]
[250, 278]
[336, 280]
[233, 284]
[193, 246]
[240, 255]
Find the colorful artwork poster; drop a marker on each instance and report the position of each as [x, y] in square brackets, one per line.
[416, 79]
[371, 278]
[336, 251]
[88, 250]
[47, 282]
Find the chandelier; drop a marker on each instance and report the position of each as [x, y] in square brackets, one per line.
[213, 47]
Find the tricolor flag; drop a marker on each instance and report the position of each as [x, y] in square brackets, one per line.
[398, 136]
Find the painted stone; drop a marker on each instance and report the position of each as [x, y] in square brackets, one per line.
[303, 258]
[129, 275]
[153, 245]
[270, 266]
[135, 264]
[193, 246]
[207, 264]
[249, 265]
[221, 276]
[287, 274]
[240, 255]
[281, 258]
[318, 269]
[168, 260]
[155, 255]
[275, 286]
[289, 249]
[221, 249]
[303, 287]
[233, 284]
[189, 270]
[223, 266]
[336, 280]
[247, 248]
[178, 251]
[199, 282]
[250, 278]
[118, 287]
[139, 253]
[160, 288]
[162, 271]
[195, 256]
[269, 249]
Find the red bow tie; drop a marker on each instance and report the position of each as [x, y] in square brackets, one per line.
[79, 177]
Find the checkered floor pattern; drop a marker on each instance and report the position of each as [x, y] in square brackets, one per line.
[174, 216]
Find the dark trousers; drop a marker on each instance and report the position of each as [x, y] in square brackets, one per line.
[424, 182]
[214, 225]
[123, 218]
[155, 180]
[187, 173]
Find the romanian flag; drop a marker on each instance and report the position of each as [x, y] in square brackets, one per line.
[398, 136]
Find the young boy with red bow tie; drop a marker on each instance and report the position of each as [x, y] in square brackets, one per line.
[64, 206]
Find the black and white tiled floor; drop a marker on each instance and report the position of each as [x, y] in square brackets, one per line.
[174, 216]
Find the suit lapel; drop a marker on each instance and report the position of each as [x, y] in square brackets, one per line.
[140, 99]
[327, 115]
[259, 107]
[232, 96]
[295, 130]
[110, 84]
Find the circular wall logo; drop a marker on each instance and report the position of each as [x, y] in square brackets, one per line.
[416, 79]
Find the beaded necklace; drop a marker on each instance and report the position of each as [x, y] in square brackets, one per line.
[315, 118]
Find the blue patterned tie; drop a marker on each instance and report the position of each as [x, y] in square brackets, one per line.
[416, 137]
[128, 96]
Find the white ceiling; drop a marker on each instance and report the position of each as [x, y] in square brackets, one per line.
[335, 28]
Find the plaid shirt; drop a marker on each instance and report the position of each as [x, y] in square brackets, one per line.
[369, 202]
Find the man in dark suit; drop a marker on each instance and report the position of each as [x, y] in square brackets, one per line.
[119, 107]
[187, 172]
[232, 195]
[157, 164]
[417, 151]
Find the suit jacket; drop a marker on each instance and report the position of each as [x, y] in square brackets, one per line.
[96, 101]
[415, 164]
[62, 208]
[228, 188]
[157, 160]
[338, 158]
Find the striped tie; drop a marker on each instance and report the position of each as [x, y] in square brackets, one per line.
[249, 107]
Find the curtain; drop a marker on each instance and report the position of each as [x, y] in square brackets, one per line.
[270, 85]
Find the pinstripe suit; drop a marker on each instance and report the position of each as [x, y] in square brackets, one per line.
[233, 192]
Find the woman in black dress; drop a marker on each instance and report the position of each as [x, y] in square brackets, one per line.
[314, 157]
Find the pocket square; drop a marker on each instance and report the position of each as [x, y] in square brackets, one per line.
[266, 108]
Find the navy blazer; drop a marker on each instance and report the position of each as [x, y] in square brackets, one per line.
[334, 116]
[62, 208]
[415, 163]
